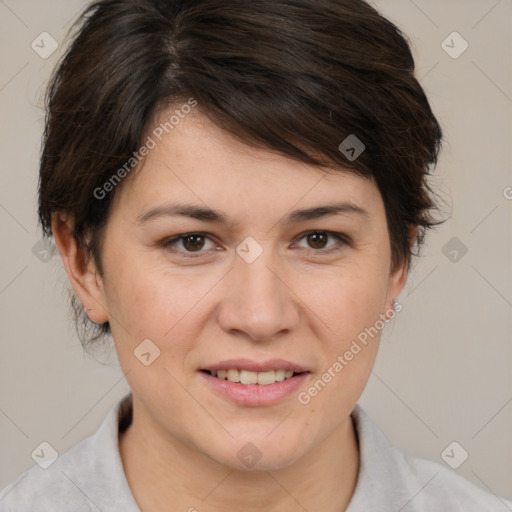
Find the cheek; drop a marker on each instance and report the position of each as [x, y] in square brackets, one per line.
[349, 307]
[347, 301]
[153, 302]
[166, 309]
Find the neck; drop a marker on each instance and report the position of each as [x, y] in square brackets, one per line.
[161, 471]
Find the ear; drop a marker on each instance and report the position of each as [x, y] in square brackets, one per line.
[398, 277]
[396, 283]
[80, 268]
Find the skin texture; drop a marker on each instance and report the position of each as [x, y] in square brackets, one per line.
[297, 301]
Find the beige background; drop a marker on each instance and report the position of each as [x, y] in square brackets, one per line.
[443, 372]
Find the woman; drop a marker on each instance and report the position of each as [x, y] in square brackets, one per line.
[236, 190]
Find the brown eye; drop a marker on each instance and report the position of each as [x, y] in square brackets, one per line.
[193, 242]
[323, 242]
[190, 244]
[318, 239]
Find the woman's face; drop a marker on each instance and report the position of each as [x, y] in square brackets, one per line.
[249, 289]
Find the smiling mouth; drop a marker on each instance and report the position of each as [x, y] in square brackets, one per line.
[249, 377]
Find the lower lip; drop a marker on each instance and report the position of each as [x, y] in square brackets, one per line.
[255, 395]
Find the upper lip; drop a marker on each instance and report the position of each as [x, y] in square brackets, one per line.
[256, 366]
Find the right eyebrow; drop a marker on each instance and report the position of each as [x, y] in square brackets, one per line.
[186, 210]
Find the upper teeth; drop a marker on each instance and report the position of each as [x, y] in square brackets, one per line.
[248, 377]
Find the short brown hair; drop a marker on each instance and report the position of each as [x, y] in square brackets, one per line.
[297, 77]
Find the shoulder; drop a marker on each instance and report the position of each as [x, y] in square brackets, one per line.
[439, 486]
[86, 478]
[390, 479]
[43, 489]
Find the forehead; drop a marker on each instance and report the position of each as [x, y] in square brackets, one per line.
[200, 163]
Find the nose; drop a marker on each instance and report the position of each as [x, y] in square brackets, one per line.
[258, 301]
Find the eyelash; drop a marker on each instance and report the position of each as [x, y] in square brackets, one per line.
[342, 239]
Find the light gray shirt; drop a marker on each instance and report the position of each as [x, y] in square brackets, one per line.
[90, 477]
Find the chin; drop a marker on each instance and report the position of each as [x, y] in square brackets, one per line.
[259, 454]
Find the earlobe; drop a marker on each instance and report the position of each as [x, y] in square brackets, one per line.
[80, 268]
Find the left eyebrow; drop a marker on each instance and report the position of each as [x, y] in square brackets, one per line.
[318, 212]
[206, 214]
